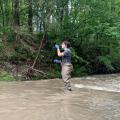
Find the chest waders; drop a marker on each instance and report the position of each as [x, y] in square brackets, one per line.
[67, 68]
[66, 74]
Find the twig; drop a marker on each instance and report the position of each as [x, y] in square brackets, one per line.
[39, 71]
[41, 43]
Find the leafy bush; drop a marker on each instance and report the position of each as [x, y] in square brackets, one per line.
[5, 76]
[105, 60]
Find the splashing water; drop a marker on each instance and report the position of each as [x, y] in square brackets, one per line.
[108, 89]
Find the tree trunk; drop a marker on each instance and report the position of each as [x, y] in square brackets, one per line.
[2, 11]
[16, 13]
[16, 20]
[112, 6]
[30, 16]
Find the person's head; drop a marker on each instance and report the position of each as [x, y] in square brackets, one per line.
[65, 44]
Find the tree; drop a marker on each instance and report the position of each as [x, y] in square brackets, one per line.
[16, 13]
[30, 16]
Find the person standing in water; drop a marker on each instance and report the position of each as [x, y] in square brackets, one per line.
[66, 64]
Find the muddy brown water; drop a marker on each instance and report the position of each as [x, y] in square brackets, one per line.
[48, 100]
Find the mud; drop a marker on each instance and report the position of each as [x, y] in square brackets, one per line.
[48, 100]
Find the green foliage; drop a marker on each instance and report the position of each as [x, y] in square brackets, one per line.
[80, 71]
[21, 54]
[106, 60]
[3, 51]
[92, 26]
[76, 58]
[4, 76]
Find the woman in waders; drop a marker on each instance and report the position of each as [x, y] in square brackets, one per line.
[66, 65]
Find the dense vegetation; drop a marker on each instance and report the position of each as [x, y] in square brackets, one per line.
[29, 29]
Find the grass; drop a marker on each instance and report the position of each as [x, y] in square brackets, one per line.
[5, 76]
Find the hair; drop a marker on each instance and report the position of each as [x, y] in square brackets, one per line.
[67, 43]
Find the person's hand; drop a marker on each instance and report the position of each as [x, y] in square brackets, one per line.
[57, 46]
[57, 61]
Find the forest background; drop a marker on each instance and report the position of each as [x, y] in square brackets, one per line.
[30, 28]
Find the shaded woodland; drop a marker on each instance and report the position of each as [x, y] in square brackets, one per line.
[30, 28]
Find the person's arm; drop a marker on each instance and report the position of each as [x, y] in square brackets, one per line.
[60, 54]
[57, 61]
